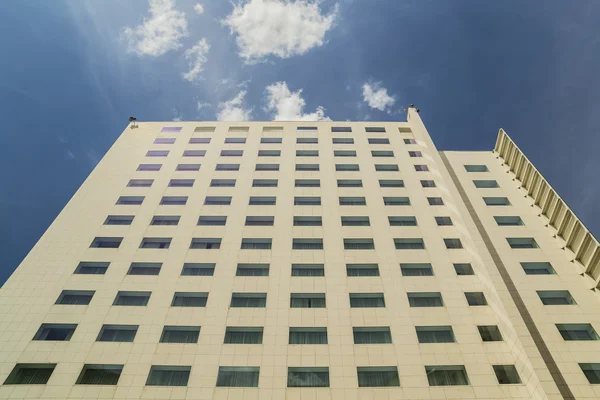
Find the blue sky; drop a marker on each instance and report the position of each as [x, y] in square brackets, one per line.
[72, 71]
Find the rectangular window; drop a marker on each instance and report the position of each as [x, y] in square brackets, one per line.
[409, 244]
[256, 244]
[106, 242]
[267, 167]
[117, 333]
[522, 243]
[99, 374]
[238, 377]
[168, 375]
[30, 374]
[379, 141]
[55, 332]
[243, 335]
[271, 140]
[180, 334]
[198, 269]
[577, 331]
[91, 268]
[396, 201]
[140, 183]
[252, 270]
[222, 183]
[382, 153]
[249, 300]
[341, 129]
[409, 141]
[307, 153]
[374, 129]
[171, 129]
[164, 140]
[359, 244]
[485, 184]
[362, 270]
[269, 153]
[591, 372]
[425, 299]
[435, 201]
[155, 243]
[199, 140]
[372, 335]
[367, 300]
[443, 221]
[144, 268]
[347, 167]
[308, 377]
[217, 200]
[463, 269]
[262, 200]
[307, 201]
[352, 201]
[496, 201]
[307, 244]
[170, 220]
[118, 220]
[239, 129]
[204, 129]
[260, 221]
[476, 168]
[173, 200]
[308, 336]
[188, 167]
[538, 268]
[149, 167]
[307, 300]
[181, 183]
[301, 140]
[227, 167]
[391, 183]
[556, 297]
[308, 270]
[418, 269]
[447, 375]
[427, 183]
[133, 299]
[205, 243]
[189, 299]
[272, 128]
[402, 221]
[212, 220]
[453, 243]
[435, 334]
[238, 140]
[157, 153]
[130, 200]
[343, 141]
[378, 376]
[232, 153]
[509, 221]
[355, 221]
[349, 183]
[194, 153]
[476, 299]
[415, 154]
[386, 167]
[264, 183]
[308, 221]
[506, 374]
[421, 168]
[306, 128]
[307, 183]
[344, 153]
[490, 333]
[307, 167]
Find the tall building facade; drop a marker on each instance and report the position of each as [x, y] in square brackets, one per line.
[305, 260]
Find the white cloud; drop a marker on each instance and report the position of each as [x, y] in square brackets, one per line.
[196, 57]
[199, 9]
[233, 109]
[289, 106]
[283, 28]
[377, 97]
[203, 105]
[160, 32]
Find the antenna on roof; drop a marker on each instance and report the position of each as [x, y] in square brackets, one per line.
[132, 120]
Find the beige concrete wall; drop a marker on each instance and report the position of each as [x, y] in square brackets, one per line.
[28, 298]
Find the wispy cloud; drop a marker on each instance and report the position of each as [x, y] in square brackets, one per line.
[233, 110]
[377, 96]
[278, 27]
[160, 32]
[286, 105]
[196, 57]
[199, 8]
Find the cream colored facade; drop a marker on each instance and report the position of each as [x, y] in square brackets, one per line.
[548, 366]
